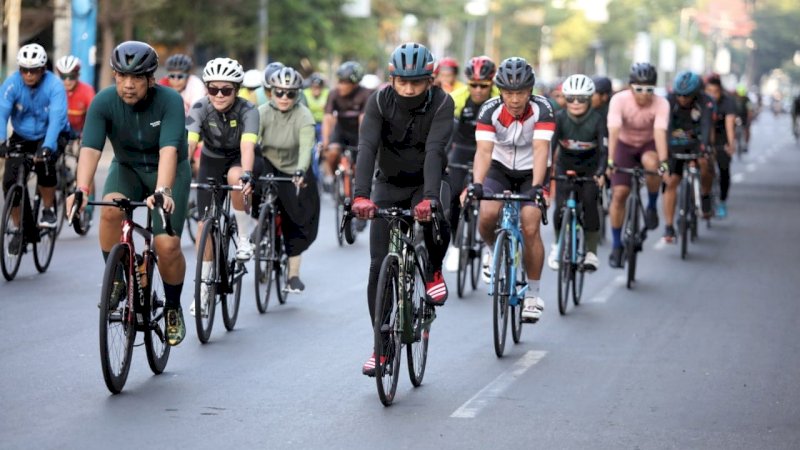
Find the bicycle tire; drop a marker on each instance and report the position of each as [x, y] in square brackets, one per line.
[155, 340]
[235, 272]
[463, 245]
[10, 263]
[281, 272]
[115, 373]
[516, 310]
[59, 203]
[192, 219]
[693, 209]
[683, 215]
[44, 246]
[578, 273]
[602, 214]
[264, 256]
[564, 261]
[338, 206]
[631, 237]
[385, 329]
[476, 251]
[500, 292]
[417, 351]
[204, 325]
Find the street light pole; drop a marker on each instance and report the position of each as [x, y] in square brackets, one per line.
[263, 34]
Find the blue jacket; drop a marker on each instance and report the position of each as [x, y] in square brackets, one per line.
[36, 113]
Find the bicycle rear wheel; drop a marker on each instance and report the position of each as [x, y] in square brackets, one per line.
[386, 329]
[264, 257]
[684, 200]
[516, 310]
[281, 267]
[117, 329]
[235, 272]
[205, 285]
[12, 257]
[338, 205]
[421, 315]
[476, 251]
[631, 236]
[43, 248]
[155, 340]
[501, 287]
[578, 272]
[564, 261]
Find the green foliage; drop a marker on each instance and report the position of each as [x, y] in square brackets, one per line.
[776, 34]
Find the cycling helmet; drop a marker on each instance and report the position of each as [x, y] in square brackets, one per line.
[411, 61]
[602, 85]
[480, 68]
[134, 58]
[68, 64]
[741, 90]
[179, 62]
[286, 78]
[31, 56]
[686, 83]
[271, 68]
[350, 71]
[316, 79]
[447, 62]
[223, 69]
[578, 84]
[643, 73]
[252, 79]
[515, 74]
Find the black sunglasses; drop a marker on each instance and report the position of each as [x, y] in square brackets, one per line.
[480, 85]
[280, 93]
[69, 76]
[178, 76]
[34, 70]
[226, 91]
[577, 98]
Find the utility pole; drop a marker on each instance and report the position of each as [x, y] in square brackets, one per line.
[263, 34]
[14, 8]
[62, 29]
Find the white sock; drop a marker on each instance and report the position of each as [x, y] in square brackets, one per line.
[207, 267]
[242, 223]
[533, 288]
[294, 266]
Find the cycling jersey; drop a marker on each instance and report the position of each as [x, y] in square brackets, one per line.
[466, 116]
[690, 126]
[513, 136]
[347, 109]
[287, 138]
[637, 124]
[222, 132]
[78, 101]
[581, 143]
[36, 113]
[317, 104]
[724, 107]
[743, 107]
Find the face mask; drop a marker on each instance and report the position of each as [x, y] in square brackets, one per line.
[411, 103]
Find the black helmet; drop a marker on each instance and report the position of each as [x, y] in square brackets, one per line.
[515, 74]
[316, 79]
[134, 58]
[350, 71]
[179, 62]
[602, 85]
[643, 73]
[271, 68]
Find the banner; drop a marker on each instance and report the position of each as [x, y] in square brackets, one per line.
[84, 37]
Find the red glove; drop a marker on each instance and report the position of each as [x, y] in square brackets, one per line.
[364, 208]
[422, 212]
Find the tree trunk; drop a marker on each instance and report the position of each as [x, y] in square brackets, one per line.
[106, 24]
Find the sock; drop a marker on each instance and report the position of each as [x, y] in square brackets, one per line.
[294, 266]
[616, 237]
[592, 239]
[207, 267]
[533, 288]
[243, 223]
[652, 197]
[172, 294]
[105, 256]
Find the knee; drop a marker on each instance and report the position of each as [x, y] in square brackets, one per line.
[169, 249]
[111, 215]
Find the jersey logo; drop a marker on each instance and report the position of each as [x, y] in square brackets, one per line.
[233, 123]
[157, 123]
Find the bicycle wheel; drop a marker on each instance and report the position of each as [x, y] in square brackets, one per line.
[463, 245]
[59, 203]
[602, 213]
[264, 257]
[117, 330]
[421, 316]
[12, 256]
[631, 236]
[684, 200]
[206, 284]
[516, 310]
[192, 218]
[564, 261]
[578, 273]
[43, 248]
[501, 287]
[338, 205]
[155, 340]
[693, 209]
[386, 330]
[281, 267]
[235, 272]
[476, 251]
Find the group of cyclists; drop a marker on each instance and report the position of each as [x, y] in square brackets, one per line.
[235, 126]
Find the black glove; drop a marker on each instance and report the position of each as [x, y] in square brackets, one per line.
[475, 190]
[45, 153]
[246, 178]
[537, 194]
[3, 150]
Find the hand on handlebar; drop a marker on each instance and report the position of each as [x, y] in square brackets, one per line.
[246, 181]
[364, 208]
[299, 179]
[70, 204]
[423, 212]
[168, 204]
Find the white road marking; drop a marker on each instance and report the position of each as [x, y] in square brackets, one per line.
[495, 389]
[609, 289]
[737, 178]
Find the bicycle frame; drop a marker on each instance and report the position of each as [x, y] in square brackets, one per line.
[510, 223]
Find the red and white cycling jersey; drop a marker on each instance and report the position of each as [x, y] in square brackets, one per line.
[513, 136]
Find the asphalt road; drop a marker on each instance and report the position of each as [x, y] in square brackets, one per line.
[702, 353]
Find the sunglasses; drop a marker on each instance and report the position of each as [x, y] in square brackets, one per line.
[480, 85]
[34, 70]
[226, 91]
[280, 93]
[639, 89]
[577, 99]
[69, 76]
[178, 76]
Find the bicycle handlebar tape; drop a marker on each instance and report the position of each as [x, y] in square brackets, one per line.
[73, 214]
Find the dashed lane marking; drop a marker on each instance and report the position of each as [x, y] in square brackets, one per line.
[608, 290]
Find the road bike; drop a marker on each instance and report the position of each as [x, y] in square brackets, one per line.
[467, 239]
[271, 260]
[634, 232]
[343, 187]
[689, 200]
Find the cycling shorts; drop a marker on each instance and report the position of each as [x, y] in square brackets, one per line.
[628, 157]
[500, 178]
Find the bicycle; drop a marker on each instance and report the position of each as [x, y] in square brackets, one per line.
[688, 200]
[633, 233]
[741, 142]
[66, 170]
[14, 239]
[571, 244]
[271, 260]
[132, 297]
[223, 284]
[193, 217]
[343, 186]
[467, 239]
[509, 280]
[402, 315]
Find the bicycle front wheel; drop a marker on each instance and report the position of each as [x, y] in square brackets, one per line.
[684, 196]
[235, 272]
[43, 248]
[155, 340]
[264, 257]
[387, 331]
[564, 261]
[631, 236]
[117, 328]
[12, 238]
[192, 218]
[578, 273]
[516, 310]
[501, 288]
[338, 206]
[463, 245]
[205, 282]
[421, 316]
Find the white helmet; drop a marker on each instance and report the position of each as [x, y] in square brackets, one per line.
[31, 56]
[252, 79]
[578, 84]
[68, 64]
[286, 78]
[223, 69]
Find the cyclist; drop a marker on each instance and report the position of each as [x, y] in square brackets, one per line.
[317, 96]
[689, 132]
[637, 135]
[795, 114]
[272, 68]
[34, 99]
[468, 100]
[287, 142]
[580, 145]
[557, 97]
[446, 75]
[251, 90]
[144, 122]
[343, 114]
[723, 138]
[228, 126]
[180, 78]
[602, 94]
[744, 113]
[513, 137]
[406, 128]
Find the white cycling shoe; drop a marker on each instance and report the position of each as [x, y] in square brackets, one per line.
[451, 260]
[532, 310]
[552, 258]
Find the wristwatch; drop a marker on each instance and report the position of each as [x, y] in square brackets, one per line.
[164, 190]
